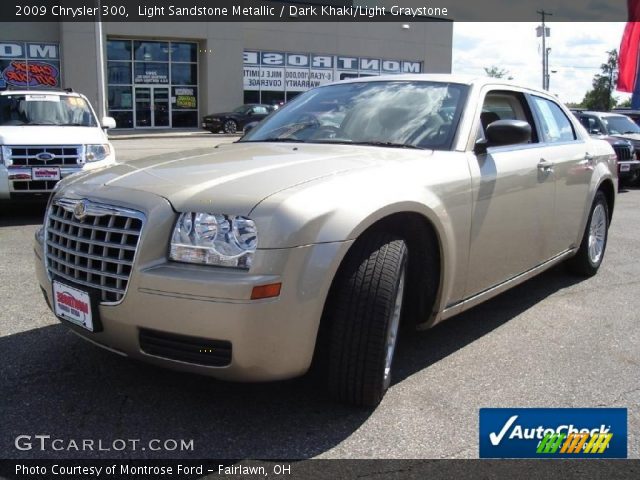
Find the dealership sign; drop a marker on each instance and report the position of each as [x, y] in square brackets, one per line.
[294, 71]
[27, 64]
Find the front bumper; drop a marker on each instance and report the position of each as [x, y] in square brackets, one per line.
[271, 339]
[212, 124]
[628, 169]
[21, 182]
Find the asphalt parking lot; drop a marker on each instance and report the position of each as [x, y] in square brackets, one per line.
[555, 341]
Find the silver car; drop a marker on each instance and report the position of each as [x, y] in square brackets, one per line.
[312, 241]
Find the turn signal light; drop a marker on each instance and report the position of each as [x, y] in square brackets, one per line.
[266, 291]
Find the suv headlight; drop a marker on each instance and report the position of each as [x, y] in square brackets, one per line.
[95, 153]
[5, 156]
[214, 239]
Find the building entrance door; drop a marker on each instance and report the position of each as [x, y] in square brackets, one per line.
[152, 107]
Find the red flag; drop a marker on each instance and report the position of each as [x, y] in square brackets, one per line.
[629, 50]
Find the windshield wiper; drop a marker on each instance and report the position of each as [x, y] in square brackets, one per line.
[275, 139]
[389, 144]
[628, 132]
[41, 123]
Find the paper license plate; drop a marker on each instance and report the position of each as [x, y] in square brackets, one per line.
[45, 173]
[73, 305]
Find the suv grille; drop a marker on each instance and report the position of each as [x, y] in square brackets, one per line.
[27, 156]
[202, 351]
[623, 152]
[96, 249]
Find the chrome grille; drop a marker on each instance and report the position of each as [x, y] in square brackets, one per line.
[94, 247]
[27, 156]
[623, 152]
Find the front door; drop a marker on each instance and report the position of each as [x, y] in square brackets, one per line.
[514, 200]
[152, 107]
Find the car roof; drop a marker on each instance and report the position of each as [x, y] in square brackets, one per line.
[41, 92]
[470, 80]
[599, 114]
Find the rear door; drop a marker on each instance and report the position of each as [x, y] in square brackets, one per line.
[572, 165]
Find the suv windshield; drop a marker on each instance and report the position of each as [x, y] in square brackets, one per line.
[381, 113]
[45, 109]
[620, 125]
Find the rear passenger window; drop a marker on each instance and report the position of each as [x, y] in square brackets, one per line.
[554, 124]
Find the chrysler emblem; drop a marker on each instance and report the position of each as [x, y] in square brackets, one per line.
[80, 210]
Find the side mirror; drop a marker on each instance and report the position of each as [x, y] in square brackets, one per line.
[249, 126]
[504, 132]
[108, 122]
[595, 131]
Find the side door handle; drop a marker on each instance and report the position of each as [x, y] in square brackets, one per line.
[545, 166]
[589, 158]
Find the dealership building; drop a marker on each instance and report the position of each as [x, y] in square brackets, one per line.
[167, 75]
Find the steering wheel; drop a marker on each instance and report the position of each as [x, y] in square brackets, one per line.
[325, 131]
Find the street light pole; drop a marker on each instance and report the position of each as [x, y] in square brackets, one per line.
[100, 63]
[545, 53]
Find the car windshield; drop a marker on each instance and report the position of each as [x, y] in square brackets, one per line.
[241, 109]
[620, 125]
[45, 109]
[390, 113]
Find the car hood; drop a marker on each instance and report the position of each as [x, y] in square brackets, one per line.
[233, 178]
[50, 135]
[634, 137]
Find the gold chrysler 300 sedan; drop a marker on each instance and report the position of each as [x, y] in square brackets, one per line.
[358, 207]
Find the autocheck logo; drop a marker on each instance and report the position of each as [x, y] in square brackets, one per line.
[553, 432]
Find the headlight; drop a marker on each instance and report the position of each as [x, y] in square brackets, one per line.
[95, 153]
[5, 156]
[214, 239]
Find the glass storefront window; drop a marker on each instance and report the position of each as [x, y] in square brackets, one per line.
[152, 83]
[151, 73]
[184, 119]
[184, 73]
[119, 73]
[151, 51]
[123, 119]
[120, 98]
[184, 52]
[251, 96]
[118, 49]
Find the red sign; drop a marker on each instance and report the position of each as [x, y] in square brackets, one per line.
[69, 300]
[32, 74]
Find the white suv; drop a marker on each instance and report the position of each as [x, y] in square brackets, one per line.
[46, 135]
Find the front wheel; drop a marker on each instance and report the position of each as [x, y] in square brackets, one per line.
[594, 241]
[230, 126]
[364, 309]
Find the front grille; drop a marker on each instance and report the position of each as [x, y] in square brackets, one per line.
[201, 351]
[34, 185]
[96, 250]
[623, 152]
[26, 156]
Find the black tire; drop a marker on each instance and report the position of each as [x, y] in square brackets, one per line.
[584, 263]
[360, 310]
[230, 126]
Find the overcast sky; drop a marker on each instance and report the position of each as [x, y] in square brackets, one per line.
[577, 51]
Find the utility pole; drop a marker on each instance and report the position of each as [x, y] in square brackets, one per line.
[545, 54]
[102, 111]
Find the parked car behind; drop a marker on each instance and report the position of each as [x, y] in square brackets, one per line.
[313, 238]
[235, 120]
[46, 135]
[623, 135]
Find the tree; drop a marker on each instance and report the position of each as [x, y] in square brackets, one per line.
[599, 98]
[626, 103]
[496, 72]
